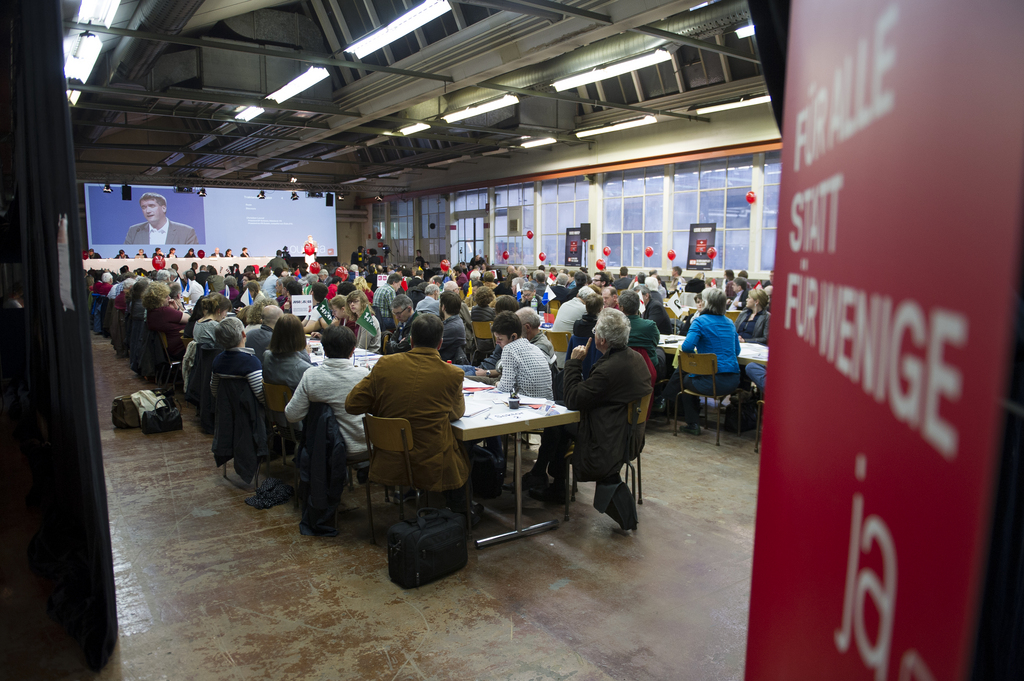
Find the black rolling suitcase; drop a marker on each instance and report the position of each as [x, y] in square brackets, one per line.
[427, 547]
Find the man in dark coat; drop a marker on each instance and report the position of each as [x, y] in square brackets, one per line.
[603, 435]
[654, 309]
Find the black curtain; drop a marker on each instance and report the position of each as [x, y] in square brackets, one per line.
[771, 21]
[60, 432]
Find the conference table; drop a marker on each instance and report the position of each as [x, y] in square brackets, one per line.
[488, 414]
[750, 353]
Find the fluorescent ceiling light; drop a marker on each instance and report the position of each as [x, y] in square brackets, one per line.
[651, 59]
[735, 105]
[98, 12]
[507, 100]
[358, 179]
[73, 96]
[249, 113]
[83, 57]
[307, 80]
[403, 25]
[503, 150]
[448, 161]
[624, 125]
[172, 159]
[262, 175]
[415, 127]
[745, 31]
[538, 143]
[703, 4]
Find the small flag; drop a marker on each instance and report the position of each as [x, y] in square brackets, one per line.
[366, 321]
[757, 285]
[469, 292]
[519, 295]
[713, 283]
[545, 298]
[405, 285]
[206, 288]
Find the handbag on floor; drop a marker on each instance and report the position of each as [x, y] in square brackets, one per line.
[123, 412]
[427, 547]
[162, 414]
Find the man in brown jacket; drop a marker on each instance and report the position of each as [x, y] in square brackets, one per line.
[418, 386]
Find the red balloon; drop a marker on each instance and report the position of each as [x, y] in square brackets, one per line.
[751, 197]
[542, 256]
[308, 249]
[341, 272]
[671, 255]
[158, 262]
[379, 235]
[648, 251]
[201, 254]
[85, 255]
[314, 267]
[607, 250]
[599, 264]
[504, 255]
[445, 265]
[712, 252]
[529, 234]
[380, 244]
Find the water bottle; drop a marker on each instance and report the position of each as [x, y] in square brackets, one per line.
[533, 303]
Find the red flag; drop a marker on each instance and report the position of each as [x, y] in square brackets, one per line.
[405, 285]
[757, 285]
[713, 282]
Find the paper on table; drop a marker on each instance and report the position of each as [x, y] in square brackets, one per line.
[475, 412]
[532, 400]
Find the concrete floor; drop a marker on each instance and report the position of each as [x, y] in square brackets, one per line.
[209, 588]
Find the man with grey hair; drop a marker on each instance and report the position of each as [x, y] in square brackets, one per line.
[474, 279]
[163, 275]
[558, 290]
[403, 313]
[532, 332]
[572, 311]
[643, 333]
[540, 279]
[236, 360]
[603, 433]
[258, 340]
[430, 300]
[528, 299]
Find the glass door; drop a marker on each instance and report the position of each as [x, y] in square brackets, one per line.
[469, 239]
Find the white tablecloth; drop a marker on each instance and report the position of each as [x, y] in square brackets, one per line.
[114, 265]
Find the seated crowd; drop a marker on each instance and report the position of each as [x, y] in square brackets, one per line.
[612, 357]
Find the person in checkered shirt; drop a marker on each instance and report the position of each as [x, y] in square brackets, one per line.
[524, 368]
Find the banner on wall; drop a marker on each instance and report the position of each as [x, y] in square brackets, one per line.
[573, 247]
[702, 240]
[883, 417]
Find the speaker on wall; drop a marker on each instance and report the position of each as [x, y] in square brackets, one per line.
[126, 192]
[330, 199]
[585, 231]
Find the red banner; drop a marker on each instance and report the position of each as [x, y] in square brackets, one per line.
[901, 187]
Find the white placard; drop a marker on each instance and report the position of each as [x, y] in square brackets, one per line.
[302, 306]
[382, 279]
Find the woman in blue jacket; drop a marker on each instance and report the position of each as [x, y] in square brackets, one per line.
[711, 332]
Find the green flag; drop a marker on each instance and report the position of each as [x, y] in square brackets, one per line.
[366, 321]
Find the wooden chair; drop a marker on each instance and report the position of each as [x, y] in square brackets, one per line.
[276, 398]
[172, 367]
[553, 307]
[732, 315]
[757, 433]
[700, 365]
[393, 435]
[482, 330]
[559, 340]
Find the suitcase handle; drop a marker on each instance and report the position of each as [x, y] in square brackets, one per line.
[425, 514]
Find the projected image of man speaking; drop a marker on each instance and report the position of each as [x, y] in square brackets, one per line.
[157, 229]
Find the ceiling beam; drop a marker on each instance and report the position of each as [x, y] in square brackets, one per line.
[553, 7]
[187, 180]
[567, 97]
[517, 8]
[296, 55]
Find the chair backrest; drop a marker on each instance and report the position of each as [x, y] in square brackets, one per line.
[163, 344]
[559, 340]
[732, 314]
[698, 364]
[638, 409]
[482, 330]
[384, 340]
[553, 306]
[276, 396]
[393, 435]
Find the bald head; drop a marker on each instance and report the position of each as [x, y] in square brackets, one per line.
[271, 313]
